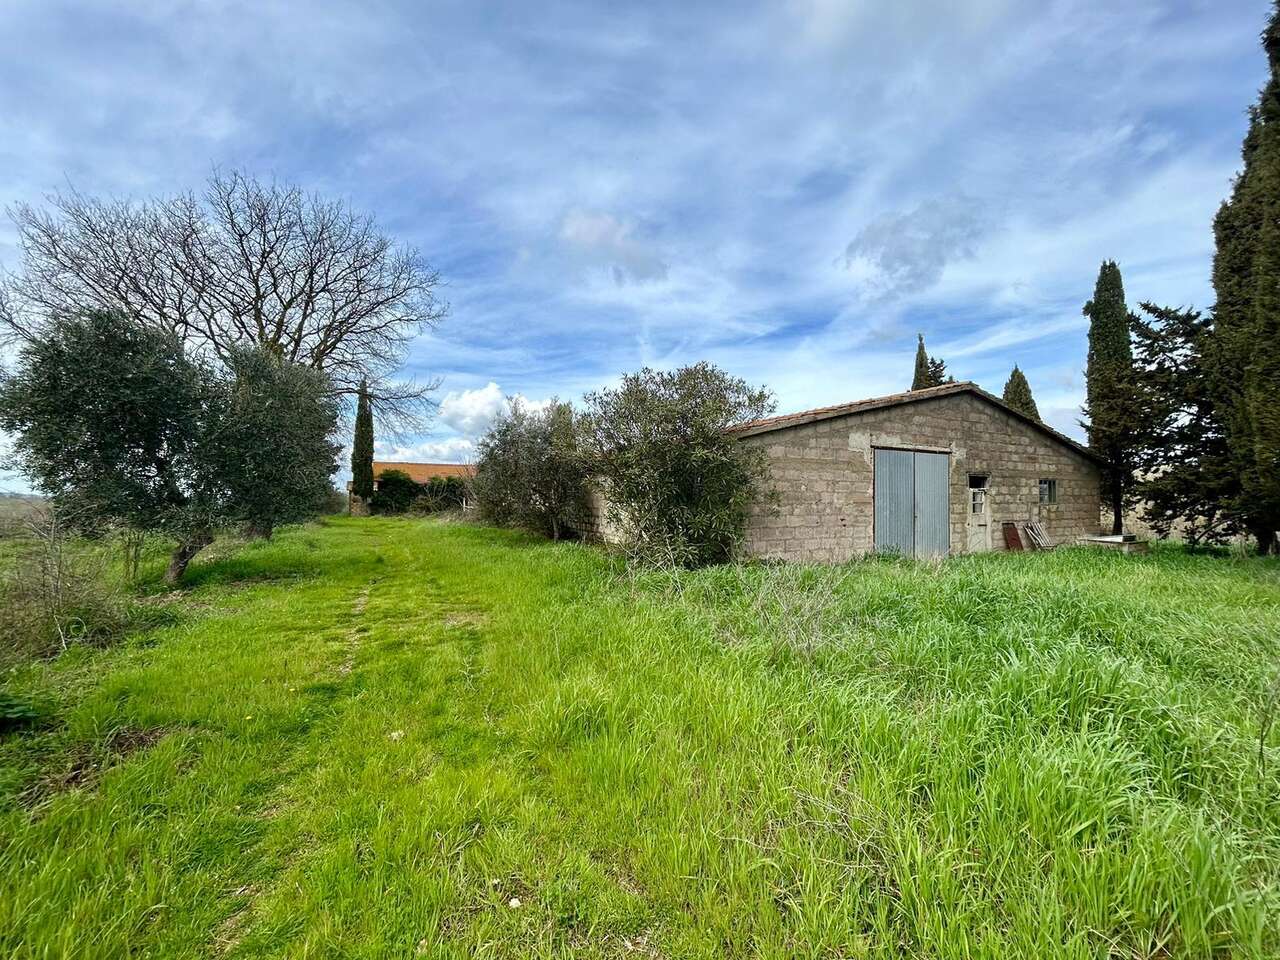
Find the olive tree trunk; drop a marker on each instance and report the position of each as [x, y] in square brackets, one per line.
[187, 548]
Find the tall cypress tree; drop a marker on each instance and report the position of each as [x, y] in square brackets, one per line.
[1244, 349]
[923, 375]
[362, 446]
[1017, 394]
[1110, 393]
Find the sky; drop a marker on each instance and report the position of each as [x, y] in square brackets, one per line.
[792, 189]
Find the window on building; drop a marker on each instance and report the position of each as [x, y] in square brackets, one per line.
[978, 492]
[1048, 491]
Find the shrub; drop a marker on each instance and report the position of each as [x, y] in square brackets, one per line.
[396, 490]
[335, 502]
[532, 469]
[677, 484]
[56, 593]
[440, 493]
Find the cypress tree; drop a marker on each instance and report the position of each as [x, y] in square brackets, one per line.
[1017, 394]
[1244, 350]
[923, 376]
[362, 446]
[929, 371]
[1111, 401]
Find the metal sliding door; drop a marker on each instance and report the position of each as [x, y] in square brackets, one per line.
[912, 503]
[895, 502]
[933, 508]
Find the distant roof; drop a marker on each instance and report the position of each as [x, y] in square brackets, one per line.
[422, 472]
[753, 427]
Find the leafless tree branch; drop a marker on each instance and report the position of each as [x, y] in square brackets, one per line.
[247, 262]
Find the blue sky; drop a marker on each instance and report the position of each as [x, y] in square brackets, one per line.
[790, 189]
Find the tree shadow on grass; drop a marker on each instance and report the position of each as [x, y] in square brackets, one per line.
[247, 570]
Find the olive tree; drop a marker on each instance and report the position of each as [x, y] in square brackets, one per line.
[122, 428]
[272, 451]
[110, 419]
[531, 469]
[677, 483]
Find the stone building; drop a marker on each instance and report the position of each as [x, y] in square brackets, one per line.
[417, 472]
[927, 473]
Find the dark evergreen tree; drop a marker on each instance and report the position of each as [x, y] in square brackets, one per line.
[1017, 394]
[922, 377]
[362, 447]
[1244, 351]
[1111, 400]
[938, 372]
[929, 371]
[1186, 478]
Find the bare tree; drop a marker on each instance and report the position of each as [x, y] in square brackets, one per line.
[246, 263]
[9, 318]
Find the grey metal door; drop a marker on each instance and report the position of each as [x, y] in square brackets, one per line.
[933, 521]
[895, 502]
[912, 503]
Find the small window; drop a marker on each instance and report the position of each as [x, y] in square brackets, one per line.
[1048, 491]
[978, 493]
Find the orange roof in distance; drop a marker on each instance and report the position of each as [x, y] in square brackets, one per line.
[422, 472]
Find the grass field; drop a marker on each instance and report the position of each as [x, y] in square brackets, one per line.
[381, 738]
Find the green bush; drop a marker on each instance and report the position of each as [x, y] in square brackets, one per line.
[335, 502]
[677, 484]
[532, 469]
[396, 490]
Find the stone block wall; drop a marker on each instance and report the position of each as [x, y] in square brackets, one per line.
[823, 472]
[593, 524]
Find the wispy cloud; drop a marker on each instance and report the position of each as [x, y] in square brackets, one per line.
[602, 238]
[792, 189]
[906, 253]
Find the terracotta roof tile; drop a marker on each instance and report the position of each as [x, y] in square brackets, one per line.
[422, 472]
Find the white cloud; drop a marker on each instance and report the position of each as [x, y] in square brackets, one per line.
[1011, 333]
[451, 450]
[472, 411]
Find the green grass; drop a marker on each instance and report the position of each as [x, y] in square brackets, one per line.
[371, 738]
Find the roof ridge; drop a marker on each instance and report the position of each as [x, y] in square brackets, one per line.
[888, 398]
[768, 424]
